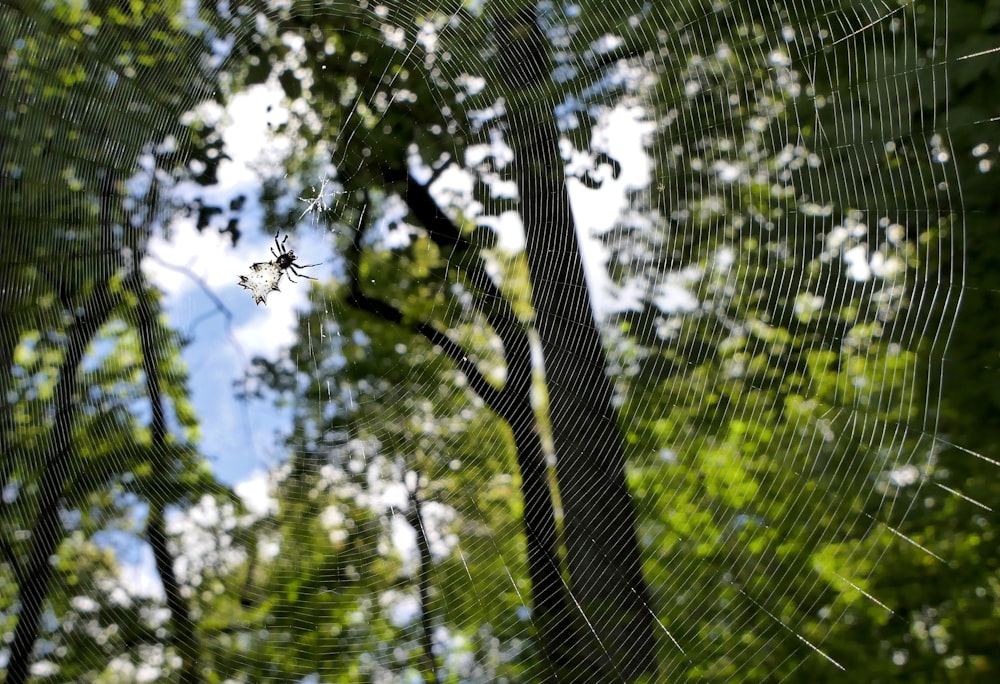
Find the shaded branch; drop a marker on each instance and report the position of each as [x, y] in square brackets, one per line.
[13, 561]
[156, 535]
[390, 314]
[489, 299]
[415, 518]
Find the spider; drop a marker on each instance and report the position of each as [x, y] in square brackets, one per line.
[264, 276]
[285, 260]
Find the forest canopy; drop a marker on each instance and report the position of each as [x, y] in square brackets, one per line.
[633, 341]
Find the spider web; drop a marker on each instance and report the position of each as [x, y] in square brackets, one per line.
[632, 355]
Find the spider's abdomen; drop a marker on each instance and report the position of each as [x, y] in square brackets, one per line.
[263, 279]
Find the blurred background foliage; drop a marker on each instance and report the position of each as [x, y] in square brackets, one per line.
[800, 410]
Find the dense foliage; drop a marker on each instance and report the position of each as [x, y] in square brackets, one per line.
[776, 462]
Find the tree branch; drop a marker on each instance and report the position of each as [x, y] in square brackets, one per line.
[389, 313]
[13, 561]
[490, 301]
[551, 611]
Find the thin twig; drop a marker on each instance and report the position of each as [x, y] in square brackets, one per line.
[219, 304]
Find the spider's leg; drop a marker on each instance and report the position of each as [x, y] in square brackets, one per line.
[294, 269]
[279, 245]
[289, 274]
[273, 252]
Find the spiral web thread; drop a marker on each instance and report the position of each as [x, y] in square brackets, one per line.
[770, 218]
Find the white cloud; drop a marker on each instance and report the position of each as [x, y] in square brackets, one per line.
[272, 328]
[622, 131]
[256, 494]
[208, 255]
[673, 297]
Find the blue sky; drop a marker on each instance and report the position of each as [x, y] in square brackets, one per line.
[239, 439]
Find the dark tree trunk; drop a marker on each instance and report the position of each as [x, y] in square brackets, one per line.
[416, 520]
[558, 634]
[551, 610]
[182, 626]
[56, 466]
[599, 521]
[55, 462]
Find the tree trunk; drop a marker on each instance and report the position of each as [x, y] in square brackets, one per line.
[599, 520]
[56, 464]
[182, 626]
[551, 609]
[57, 458]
